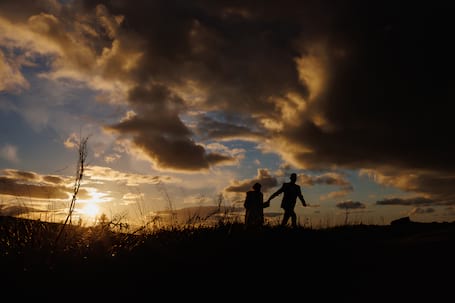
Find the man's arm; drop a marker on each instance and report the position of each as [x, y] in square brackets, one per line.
[299, 194]
[303, 201]
[275, 194]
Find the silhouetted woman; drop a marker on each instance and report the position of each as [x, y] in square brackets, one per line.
[254, 205]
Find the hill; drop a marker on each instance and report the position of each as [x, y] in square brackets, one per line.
[349, 263]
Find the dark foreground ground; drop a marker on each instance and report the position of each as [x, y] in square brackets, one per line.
[404, 263]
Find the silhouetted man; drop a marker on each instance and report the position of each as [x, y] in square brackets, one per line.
[290, 192]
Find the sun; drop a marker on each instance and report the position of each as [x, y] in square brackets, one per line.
[90, 209]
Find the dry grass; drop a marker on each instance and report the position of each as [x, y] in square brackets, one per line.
[349, 260]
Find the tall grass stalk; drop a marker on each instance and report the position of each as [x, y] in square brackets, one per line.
[163, 190]
[82, 149]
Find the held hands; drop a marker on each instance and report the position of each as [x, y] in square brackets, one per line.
[266, 203]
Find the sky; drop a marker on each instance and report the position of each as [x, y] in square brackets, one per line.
[186, 104]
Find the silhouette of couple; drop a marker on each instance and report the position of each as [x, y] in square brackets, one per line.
[254, 203]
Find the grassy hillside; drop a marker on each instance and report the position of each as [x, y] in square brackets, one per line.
[360, 263]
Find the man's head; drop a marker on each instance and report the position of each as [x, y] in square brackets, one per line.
[257, 186]
[293, 177]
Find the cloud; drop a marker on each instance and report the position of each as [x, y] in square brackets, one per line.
[21, 175]
[72, 141]
[350, 205]
[11, 79]
[434, 187]
[132, 198]
[29, 184]
[320, 84]
[422, 211]
[337, 194]
[218, 130]
[9, 153]
[263, 176]
[329, 178]
[181, 56]
[17, 210]
[408, 202]
[106, 174]
[167, 151]
[32, 185]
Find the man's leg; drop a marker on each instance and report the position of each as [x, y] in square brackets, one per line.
[293, 218]
[285, 218]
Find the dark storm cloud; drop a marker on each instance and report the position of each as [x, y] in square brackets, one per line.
[220, 130]
[350, 205]
[387, 95]
[157, 130]
[22, 9]
[386, 91]
[178, 153]
[225, 51]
